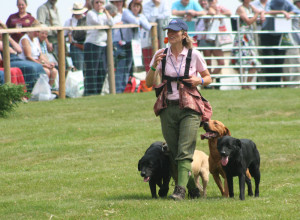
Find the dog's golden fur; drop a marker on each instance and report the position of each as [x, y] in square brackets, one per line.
[215, 129]
[200, 168]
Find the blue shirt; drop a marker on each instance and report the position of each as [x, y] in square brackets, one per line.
[192, 5]
[269, 23]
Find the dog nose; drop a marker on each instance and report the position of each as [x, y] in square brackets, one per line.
[143, 174]
[205, 125]
[222, 153]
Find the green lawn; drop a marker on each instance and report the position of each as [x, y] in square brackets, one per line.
[77, 158]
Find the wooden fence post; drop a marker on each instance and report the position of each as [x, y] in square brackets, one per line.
[110, 62]
[154, 39]
[61, 64]
[6, 58]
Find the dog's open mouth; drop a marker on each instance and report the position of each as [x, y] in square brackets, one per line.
[224, 160]
[209, 135]
[146, 179]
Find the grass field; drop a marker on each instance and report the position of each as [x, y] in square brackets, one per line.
[77, 158]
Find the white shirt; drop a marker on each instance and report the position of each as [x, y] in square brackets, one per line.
[71, 22]
[97, 37]
[35, 47]
[154, 13]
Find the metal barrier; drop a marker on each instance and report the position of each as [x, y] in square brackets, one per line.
[242, 67]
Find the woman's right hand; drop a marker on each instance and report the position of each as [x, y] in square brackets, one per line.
[158, 57]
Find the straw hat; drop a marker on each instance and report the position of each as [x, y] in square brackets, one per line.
[78, 8]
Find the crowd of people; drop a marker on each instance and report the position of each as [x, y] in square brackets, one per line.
[35, 53]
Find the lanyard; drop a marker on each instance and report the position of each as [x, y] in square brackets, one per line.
[175, 67]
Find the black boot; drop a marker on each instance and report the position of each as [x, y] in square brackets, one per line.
[179, 193]
[194, 193]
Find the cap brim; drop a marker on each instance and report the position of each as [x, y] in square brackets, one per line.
[173, 27]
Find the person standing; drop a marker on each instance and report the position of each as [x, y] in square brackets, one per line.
[248, 16]
[95, 46]
[48, 14]
[187, 9]
[133, 15]
[20, 19]
[180, 121]
[275, 7]
[76, 45]
[121, 49]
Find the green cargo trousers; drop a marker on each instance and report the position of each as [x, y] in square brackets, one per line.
[179, 128]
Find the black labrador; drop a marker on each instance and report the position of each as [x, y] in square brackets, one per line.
[155, 169]
[238, 155]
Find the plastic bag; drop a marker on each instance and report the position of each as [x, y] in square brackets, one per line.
[74, 84]
[213, 27]
[224, 39]
[41, 90]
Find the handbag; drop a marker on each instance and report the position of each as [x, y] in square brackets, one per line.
[213, 27]
[224, 39]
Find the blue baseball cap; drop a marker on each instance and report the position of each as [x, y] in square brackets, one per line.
[177, 24]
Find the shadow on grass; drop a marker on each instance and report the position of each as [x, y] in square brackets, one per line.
[148, 197]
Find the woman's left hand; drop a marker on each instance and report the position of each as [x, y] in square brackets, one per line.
[193, 80]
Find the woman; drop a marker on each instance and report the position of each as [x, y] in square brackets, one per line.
[247, 19]
[214, 9]
[20, 19]
[133, 15]
[30, 70]
[121, 50]
[31, 50]
[76, 46]
[179, 120]
[95, 48]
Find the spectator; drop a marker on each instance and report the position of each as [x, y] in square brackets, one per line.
[121, 49]
[20, 19]
[245, 11]
[76, 46]
[30, 70]
[31, 50]
[49, 59]
[133, 15]
[275, 7]
[260, 5]
[95, 56]
[16, 75]
[88, 4]
[214, 9]
[202, 25]
[155, 11]
[48, 14]
[187, 9]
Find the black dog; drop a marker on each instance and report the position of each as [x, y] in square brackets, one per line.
[154, 167]
[238, 155]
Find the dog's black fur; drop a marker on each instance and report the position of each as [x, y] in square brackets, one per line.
[155, 169]
[238, 155]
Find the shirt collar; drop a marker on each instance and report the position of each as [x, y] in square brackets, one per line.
[183, 52]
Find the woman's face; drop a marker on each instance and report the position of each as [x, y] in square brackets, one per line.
[118, 4]
[21, 6]
[43, 35]
[135, 8]
[98, 5]
[175, 37]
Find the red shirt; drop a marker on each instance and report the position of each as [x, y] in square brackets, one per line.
[14, 19]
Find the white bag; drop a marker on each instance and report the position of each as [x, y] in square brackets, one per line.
[41, 90]
[74, 84]
[213, 27]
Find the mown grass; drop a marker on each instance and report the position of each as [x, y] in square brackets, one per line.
[77, 158]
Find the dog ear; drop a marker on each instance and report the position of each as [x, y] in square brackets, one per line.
[139, 165]
[227, 132]
[238, 143]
